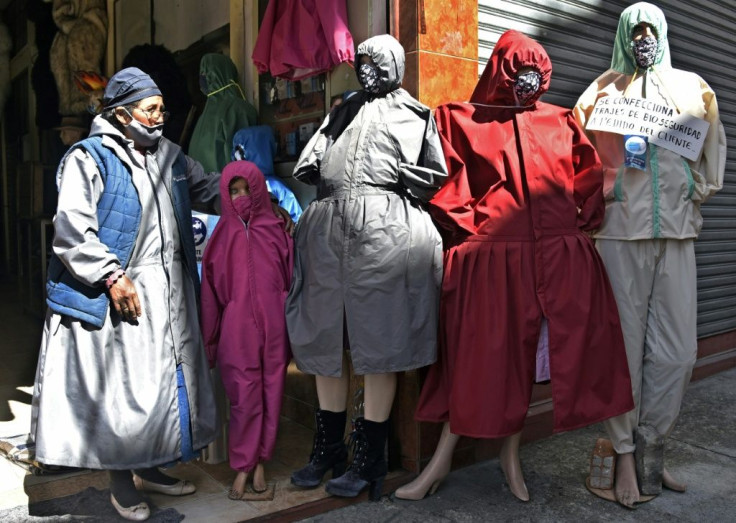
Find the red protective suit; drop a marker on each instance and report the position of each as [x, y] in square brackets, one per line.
[246, 273]
[523, 183]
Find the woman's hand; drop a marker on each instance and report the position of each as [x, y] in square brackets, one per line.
[124, 298]
[284, 215]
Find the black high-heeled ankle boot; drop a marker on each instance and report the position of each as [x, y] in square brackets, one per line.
[369, 465]
[328, 452]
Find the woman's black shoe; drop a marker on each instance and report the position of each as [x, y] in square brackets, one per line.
[369, 467]
[329, 450]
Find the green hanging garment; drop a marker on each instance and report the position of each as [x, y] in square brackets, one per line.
[225, 112]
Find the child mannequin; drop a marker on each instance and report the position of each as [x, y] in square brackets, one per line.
[246, 272]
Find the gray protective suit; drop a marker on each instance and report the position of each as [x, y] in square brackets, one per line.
[368, 257]
[107, 398]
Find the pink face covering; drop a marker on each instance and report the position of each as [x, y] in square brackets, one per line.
[243, 206]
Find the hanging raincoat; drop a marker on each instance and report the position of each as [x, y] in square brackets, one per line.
[302, 38]
[225, 112]
[109, 397]
[246, 272]
[524, 183]
[368, 257]
[652, 218]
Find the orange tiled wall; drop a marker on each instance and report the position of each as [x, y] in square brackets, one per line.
[440, 38]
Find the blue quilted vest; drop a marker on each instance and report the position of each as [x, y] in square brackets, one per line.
[119, 218]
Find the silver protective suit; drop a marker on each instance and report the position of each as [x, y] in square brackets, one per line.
[368, 258]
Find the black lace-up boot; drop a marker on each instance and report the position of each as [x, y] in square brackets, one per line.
[329, 450]
[369, 465]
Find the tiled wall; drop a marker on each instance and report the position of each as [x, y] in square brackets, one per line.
[440, 38]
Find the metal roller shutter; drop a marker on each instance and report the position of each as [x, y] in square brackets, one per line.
[578, 35]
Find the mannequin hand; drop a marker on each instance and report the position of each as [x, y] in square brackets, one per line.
[124, 298]
[282, 213]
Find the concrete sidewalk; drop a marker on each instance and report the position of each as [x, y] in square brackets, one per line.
[701, 451]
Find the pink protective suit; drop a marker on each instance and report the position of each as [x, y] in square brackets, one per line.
[301, 38]
[246, 273]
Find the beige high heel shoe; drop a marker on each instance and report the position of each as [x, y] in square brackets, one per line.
[436, 471]
[418, 489]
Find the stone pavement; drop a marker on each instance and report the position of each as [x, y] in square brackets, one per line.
[701, 451]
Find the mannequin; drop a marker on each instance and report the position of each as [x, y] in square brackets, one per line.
[78, 46]
[368, 264]
[225, 112]
[647, 241]
[523, 282]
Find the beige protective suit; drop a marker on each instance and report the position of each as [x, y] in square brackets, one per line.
[652, 218]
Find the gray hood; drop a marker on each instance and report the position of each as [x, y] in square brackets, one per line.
[388, 54]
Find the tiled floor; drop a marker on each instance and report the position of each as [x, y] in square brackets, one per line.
[209, 503]
[19, 345]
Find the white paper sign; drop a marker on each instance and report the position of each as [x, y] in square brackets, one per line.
[683, 134]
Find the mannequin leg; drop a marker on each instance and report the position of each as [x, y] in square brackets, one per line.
[511, 466]
[435, 471]
[259, 478]
[671, 483]
[380, 390]
[332, 393]
[369, 467]
[630, 267]
[329, 451]
[626, 486]
[671, 342]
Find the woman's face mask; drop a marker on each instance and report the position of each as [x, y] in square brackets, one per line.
[645, 51]
[144, 135]
[369, 78]
[526, 87]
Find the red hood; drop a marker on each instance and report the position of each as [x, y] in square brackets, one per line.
[513, 51]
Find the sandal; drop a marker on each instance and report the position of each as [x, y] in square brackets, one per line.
[649, 456]
[235, 495]
[602, 475]
[602, 466]
[601, 478]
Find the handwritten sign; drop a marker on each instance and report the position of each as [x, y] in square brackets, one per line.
[683, 134]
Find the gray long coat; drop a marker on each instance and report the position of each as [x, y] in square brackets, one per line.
[367, 255]
[107, 398]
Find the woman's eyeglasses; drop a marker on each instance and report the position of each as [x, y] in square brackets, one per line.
[155, 114]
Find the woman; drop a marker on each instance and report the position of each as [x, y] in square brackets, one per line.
[368, 263]
[122, 380]
[519, 269]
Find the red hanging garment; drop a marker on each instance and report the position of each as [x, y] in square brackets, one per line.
[302, 38]
[524, 182]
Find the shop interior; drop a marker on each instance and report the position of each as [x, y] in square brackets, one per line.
[35, 137]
